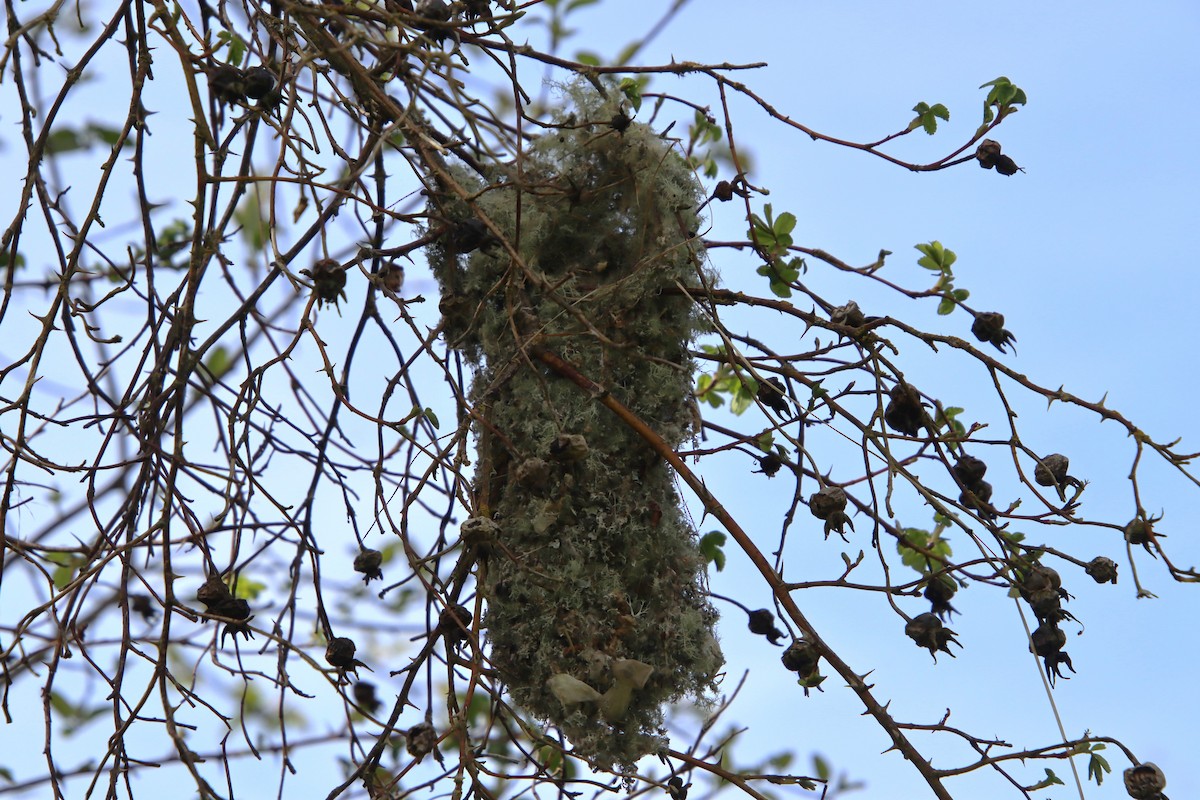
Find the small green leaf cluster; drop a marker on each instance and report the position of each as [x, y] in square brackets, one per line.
[631, 89]
[726, 382]
[940, 259]
[712, 546]
[927, 117]
[66, 139]
[955, 431]
[1045, 783]
[703, 133]
[772, 236]
[1001, 101]
[236, 45]
[1098, 765]
[925, 551]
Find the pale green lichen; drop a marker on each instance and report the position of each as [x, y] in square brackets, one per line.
[596, 610]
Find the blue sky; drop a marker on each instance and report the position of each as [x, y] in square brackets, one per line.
[1087, 253]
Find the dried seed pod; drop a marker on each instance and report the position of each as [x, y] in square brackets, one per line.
[227, 84]
[770, 464]
[140, 604]
[1046, 605]
[476, 9]
[368, 563]
[391, 277]
[939, 591]
[1145, 781]
[850, 315]
[979, 498]
[904, 412]
[772, 394]
[829, 504]
[454, 623]
[468, 235]
[987, 153]
[801, 658]
[1048, 642]
[1041, 587]
[479, 534]
[1006, 166]
[334, 23]
[235, 608]
[533, 473]
[989, 327]
[258, 82]
[340, 653]
[329, 280]
[929, 632]
[829, 500]
[1052, 470]
[1140, 530]
[213, 592]
[1048, 639]
[420, 740]
[723, 191]
[970, 471]
[270, 101]
[364, 695]
[677, 789]
[436, 10]
[434, 16]
[762, 623]
[569, 447]
[1102, 569]
[1039, 577]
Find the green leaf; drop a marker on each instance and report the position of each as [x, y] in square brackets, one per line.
[62, 706]
[710, 548]
[109, 136]
[588, 58]
[785, 224]
[927, 117]
[1098, 766]
[821, 767]
[248, 589]
[219, 363]
[743, 397]
[64, 573]
[946, 306]
[935, 256]
[19, 261]
[64, 140]
[254, 227]
[913, 538]
[236, 44]
[432, 417]
[632, 89]
[1050, 780]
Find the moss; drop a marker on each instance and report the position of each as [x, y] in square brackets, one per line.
[598, 568]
